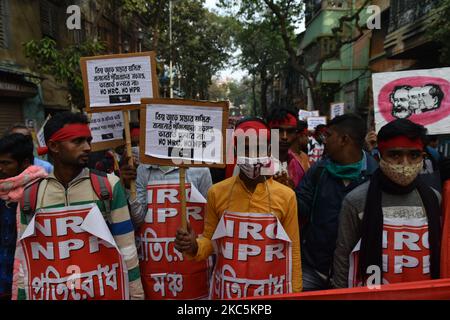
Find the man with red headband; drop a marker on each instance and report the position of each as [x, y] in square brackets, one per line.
[82, 219]
[289, 172]
[300, 145]
[390, 226]
[251, 223]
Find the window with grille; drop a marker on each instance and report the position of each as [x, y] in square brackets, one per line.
[49, 19]
[4, 21]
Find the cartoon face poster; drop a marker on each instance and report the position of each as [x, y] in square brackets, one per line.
[422, 96]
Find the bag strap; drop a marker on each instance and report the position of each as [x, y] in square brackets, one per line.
[103, 189]
[29, 200]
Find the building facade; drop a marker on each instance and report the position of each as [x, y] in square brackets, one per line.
[28, 96]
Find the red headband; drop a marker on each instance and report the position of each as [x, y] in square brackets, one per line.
[289, 120]
[68, 132]
[255, 125]
[135, 132]
[400, 142]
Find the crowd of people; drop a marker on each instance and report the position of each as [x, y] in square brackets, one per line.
[344, 202]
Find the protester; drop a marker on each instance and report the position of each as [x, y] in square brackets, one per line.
[371, 145]
[16, 171]
[72, 185]
[146, 211]
[316, 145]
[300, 145]
[253, 203]
[391, 222]
[289, 172]
[322, 191]
[445, 251]
[22, 129]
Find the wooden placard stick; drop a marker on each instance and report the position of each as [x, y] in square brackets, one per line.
[126, 120]
[183, 197]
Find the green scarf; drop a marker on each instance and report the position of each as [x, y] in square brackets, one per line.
[346, 172]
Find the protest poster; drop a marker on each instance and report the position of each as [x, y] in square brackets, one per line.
[118, 82]
[406, 262]
[165, 272]
[337, 109]
[183, 132]
[421, 96]
[313, 122]
[70, 254]
[40, 135]
[107, 130]
[254, 256]
[303, 115]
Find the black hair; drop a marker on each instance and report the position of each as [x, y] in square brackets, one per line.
[319, 127]
[59, 120]
[302, 125]
[403, 127]
[17, 125]
[20, 147]
[352, 125]
[277, 114]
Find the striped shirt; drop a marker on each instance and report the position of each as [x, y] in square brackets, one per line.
[52, 194]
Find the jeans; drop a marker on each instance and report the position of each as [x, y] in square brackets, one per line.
[312, 279]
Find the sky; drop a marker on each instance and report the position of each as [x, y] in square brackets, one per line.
[236, 74]
[229, 72]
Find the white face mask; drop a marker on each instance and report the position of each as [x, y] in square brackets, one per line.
[251, 167]
[401, 174]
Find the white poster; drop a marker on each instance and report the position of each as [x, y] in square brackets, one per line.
[106, 126]
[313, 122]
[40, 134]
[305, 114]
[120, 81]
[184, 132]
[337, 109]
[422, 96]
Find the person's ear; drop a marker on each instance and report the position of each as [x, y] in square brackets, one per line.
[53, 146]
[25, 164]
[345, 139]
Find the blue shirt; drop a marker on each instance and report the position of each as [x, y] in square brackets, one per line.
[8, 237]
[43, 164]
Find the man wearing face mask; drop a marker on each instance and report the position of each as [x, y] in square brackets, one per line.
[392, 222]
[249, 212]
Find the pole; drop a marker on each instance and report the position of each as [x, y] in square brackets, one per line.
[183, 197]
[126, 119]
[170, 53]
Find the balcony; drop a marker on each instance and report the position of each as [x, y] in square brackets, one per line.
[408, 21]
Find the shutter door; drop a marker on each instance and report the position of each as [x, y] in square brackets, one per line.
[10, 113]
